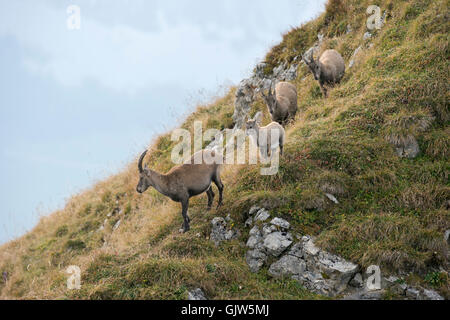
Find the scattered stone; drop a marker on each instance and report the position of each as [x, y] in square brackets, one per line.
[354, 57]
[315, 282]
[255, 259]
[117, 225]
[289, 74]
[400, 289]
[366, 295]
[255, 240]
[309, 247]
[317, 203]
[281, 223]
[412, 293]
[5, 276]
[243, 99]
[268, 229]
[277, 242]
[357, 281]
[297, 250]
[383, 19]
[196, 295]
[367, 36]
[220, 232]
[338, 270]
[332, 198]
[114, 212]
[249, 222]
[262, 215]
[102, 227]
[408, 148]
[255, 231]
[287, 266]
[431, 295]
[390, 281]
[447, 237]
[254, 210]
[349, 29]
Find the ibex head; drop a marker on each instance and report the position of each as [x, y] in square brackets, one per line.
[270, 99]
[313, 65]
[255, 123]
[144, 179]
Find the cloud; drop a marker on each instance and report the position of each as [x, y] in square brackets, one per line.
[186, 43]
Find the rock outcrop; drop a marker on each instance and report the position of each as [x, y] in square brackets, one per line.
[222, 232]
[248, 89]
[315, 269]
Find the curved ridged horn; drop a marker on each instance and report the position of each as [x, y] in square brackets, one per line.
[140, 161]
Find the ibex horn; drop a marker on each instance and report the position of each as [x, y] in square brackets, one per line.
[140, 161]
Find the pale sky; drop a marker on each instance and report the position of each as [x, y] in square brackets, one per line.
[77, 105]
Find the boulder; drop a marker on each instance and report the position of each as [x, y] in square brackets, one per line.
[253, 210]
[255, 240]
[367, 36]
[196, 295]
[309, 247]
[255, 259]
[338, 271]
[431, 295]
[357, 281]
[412, 293]
[408, 148]
[277, 242]
[281, 223]
[287, 266]
[366, 295]
[332, 198]
[220, 231]
[262, 215]
[268, 229]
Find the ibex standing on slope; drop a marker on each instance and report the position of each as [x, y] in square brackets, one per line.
[282, 104]
[329, 70]
[263, 136]
[184, 182]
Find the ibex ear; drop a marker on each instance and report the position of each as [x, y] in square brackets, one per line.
[258, 118]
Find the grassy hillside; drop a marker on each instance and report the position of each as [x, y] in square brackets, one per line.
[392, 212]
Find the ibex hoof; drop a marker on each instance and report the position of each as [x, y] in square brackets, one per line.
[185, 229]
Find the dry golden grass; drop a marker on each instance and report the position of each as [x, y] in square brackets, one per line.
[392, 211]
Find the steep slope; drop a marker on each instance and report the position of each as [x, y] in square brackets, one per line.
[392, 211]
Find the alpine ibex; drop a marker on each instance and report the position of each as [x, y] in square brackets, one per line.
[282, 104]
[184, 182]
[262, 136]
[329, 70]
